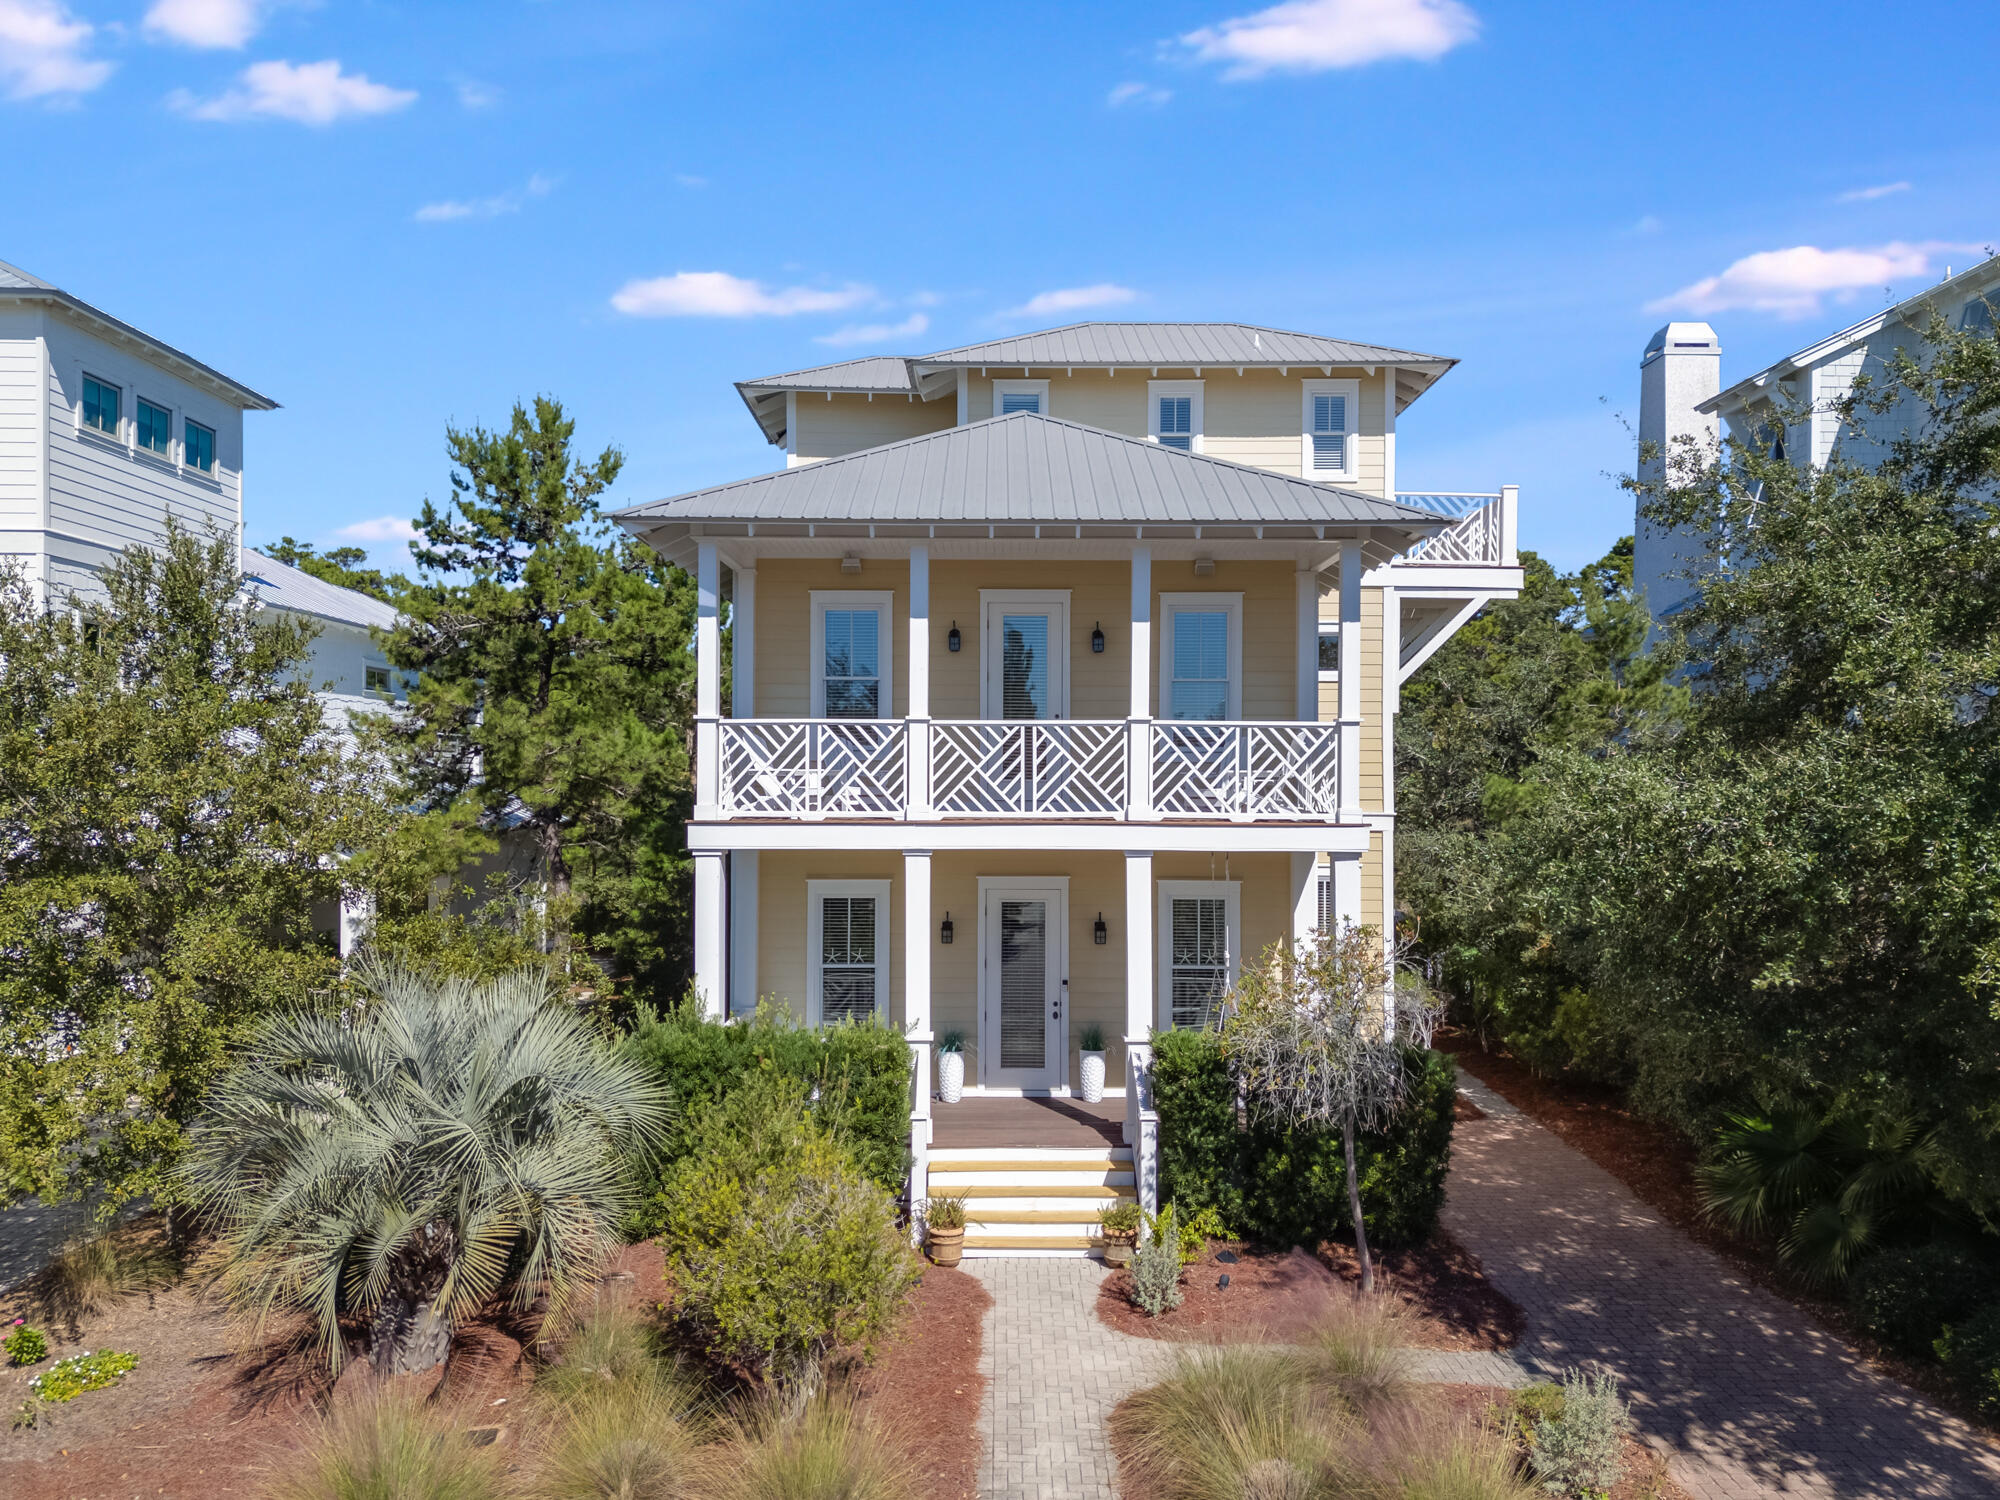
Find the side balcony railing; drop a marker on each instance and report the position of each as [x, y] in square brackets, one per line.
[1481, 533]
[1075, 768]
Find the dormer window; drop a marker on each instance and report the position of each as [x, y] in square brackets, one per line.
[1330, 412]
[1010, 396]
[1175, 414]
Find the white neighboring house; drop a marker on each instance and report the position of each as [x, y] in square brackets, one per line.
[1789, 409]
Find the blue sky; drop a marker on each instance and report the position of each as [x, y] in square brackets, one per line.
[389, 217]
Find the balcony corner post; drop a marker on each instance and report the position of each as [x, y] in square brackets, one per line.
[708, 681]
[1139, 712]
[917, 1020]
[1348, 767]
[917, 792]
[1510, 525]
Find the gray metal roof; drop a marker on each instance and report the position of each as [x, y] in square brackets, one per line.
[878, 374]
[14, 282]
[1179, 345]
[298, 592]
[1027, 469]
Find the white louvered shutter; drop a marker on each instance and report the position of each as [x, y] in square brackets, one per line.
[1325, 904]
[1013, 401]
[1199, 948]
[1329, 435]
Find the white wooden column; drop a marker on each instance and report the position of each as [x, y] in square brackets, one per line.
[919, 791]
[743, 642]
[1305, 897]
[1305, 589]
[1349, 798]
[1345, 870]
[1139, 713]
[711, 971]
[917, 1011]
[743, 878]
[707, 680]
[1510, 525]
[1142, 1120]
[1389, 433]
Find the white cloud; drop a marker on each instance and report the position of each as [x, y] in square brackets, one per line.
[205, 23]
[1137, 93]
[1792, 283]
[509, 202]
[875, 333]
[1870, 194]
[379, 529]
[1312, 36]
[689, 180]
[310, 93]
[1073, 299]
[1645, 224]
[717, 294]
[473, 94]
[42, 49]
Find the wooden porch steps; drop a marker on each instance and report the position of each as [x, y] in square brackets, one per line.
[1032, 1201]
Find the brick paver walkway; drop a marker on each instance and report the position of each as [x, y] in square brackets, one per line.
[1749, 1396]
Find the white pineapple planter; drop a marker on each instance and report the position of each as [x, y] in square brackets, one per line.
[1093, 1077]
[951, 1076]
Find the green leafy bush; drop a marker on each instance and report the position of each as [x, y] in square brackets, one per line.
[1970, 1350]
[25, 1345]
[1905, 1297]
[1284, 1187]
[1580, 1450]
[779, 1250]
[857, 1076]
[1156, 1268]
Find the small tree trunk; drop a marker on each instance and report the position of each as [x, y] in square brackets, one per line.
[1354, 1208]
[408, 1334]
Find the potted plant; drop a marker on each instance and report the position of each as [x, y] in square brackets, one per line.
[1120, 1224]
[951, 1066]
[1092, 1068]
[944, 1229]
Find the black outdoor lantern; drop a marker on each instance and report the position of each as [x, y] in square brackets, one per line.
[1097, 640]
[1099, 934]
[944, 930]
[951, 643]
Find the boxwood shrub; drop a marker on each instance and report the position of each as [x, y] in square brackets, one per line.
[857, 1075]
[1283, 1187]
[1906, 1296]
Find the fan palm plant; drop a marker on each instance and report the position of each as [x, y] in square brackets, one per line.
[445, 1143]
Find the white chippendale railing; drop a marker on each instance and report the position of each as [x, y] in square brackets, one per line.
[1062, 768]
[1234, 770]
[1478, 535]
[811, 768]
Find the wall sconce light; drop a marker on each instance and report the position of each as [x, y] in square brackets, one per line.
[851, 563]
[1204, 567]
[1099, 934]
[952, 643]
[944, 930]
[1097, 640]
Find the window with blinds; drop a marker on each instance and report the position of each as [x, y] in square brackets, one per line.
[1176, 416]
[848, 968]
[1325, 903]
[1198, 973]
[1024, 983]
[1329, 434]
[852, 663]
[1200, 685]
[1013, 401]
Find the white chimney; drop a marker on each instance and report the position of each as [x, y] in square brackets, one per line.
[1682, 367]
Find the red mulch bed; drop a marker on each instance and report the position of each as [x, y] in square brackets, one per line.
[1442, 1297]
[924, 1386]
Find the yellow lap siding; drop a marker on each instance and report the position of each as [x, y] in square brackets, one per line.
[784, 627]
[847, 424]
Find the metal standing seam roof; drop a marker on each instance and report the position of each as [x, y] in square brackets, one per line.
[14, 282]
[298, 592]
[1176, 345]
[1027, 468]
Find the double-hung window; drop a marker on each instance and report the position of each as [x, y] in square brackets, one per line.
[1330, 420]
[847, 950]
[1200, 938]
[198, 447]
[376, 680]
[1201, 671]
[1010, 396]
[155, 425]
[852, 676]
[100, 405]
[1175, 413]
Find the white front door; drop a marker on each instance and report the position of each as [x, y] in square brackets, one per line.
[1023, 1028]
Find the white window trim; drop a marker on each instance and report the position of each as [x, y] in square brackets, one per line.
[1020, 387]
[1189, 388]
[991, 601]
[1231, 891]
[884, 603]
[816, 893]
[1169, 605]
[1351, 389]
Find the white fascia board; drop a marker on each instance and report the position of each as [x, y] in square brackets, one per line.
[828, 836]
[1446, 580]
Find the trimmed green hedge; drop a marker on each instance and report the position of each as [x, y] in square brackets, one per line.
[857, 1075]
[1282, 1187]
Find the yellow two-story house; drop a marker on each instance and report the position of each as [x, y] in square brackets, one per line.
[1065, 674]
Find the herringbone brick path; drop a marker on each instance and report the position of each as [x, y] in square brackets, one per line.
[1748, 1395]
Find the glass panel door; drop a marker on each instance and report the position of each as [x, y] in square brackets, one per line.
[1021, 1023]
[1026, 657]
[1200, 686]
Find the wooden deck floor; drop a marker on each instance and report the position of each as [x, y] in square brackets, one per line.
[975, 1121]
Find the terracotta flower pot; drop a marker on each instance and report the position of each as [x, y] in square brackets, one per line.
[946, 1246]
